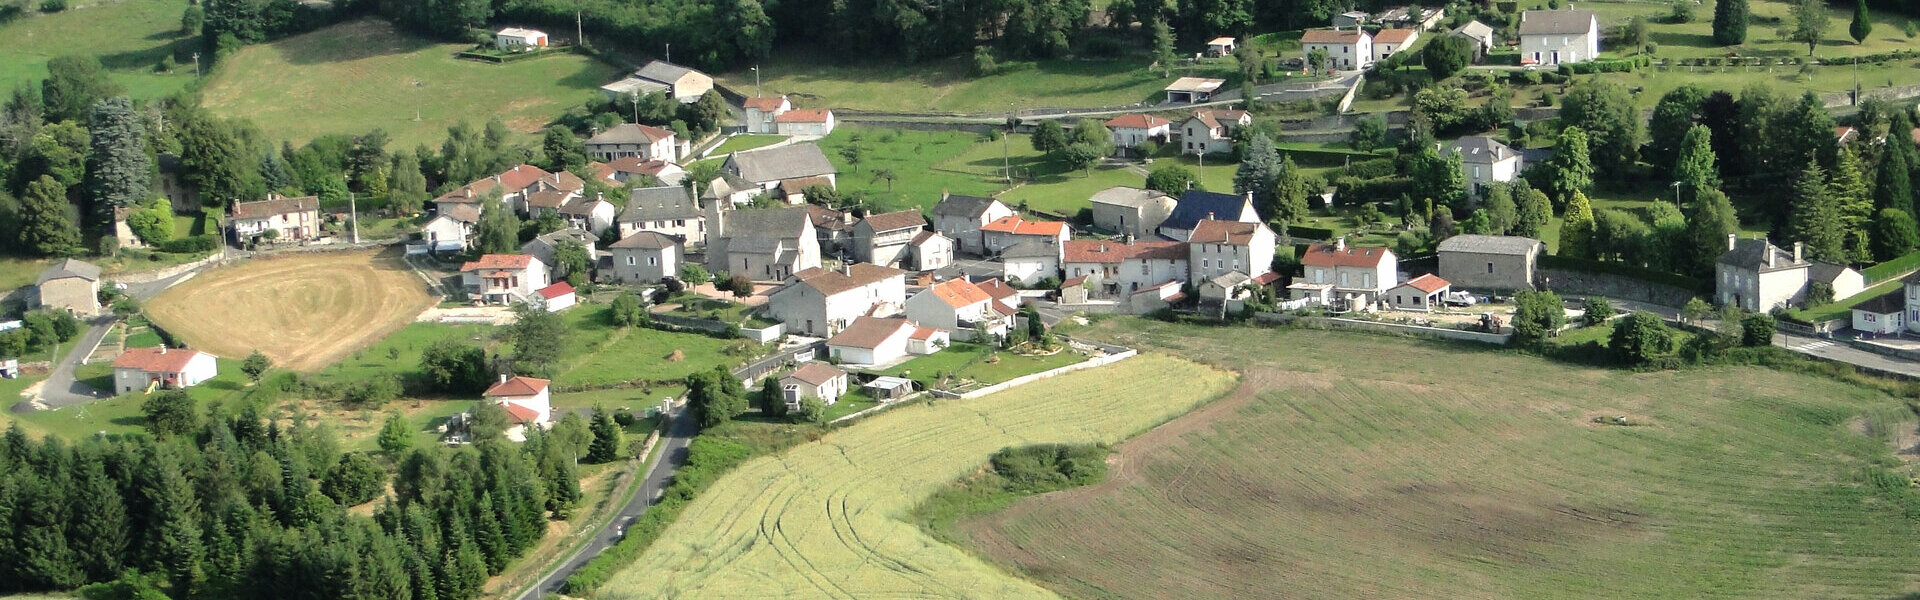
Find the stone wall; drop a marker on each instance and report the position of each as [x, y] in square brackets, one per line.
[1565, 282]
[1500, 339]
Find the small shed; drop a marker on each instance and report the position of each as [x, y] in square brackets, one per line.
[1420, 293]
[1881, 315]
[557, 297]
[515, 39]
[1186, 90]
[887, 389]
[1220, 46]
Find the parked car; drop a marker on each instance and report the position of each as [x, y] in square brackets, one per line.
[1461, 298]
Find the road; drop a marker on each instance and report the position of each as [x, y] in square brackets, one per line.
[61, 389]
[673, 454]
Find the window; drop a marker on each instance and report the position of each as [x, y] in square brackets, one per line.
[630, 260]
[1489, 267]
[1145, 270]
[1366, 280]
[1204, 263]
[651, 260]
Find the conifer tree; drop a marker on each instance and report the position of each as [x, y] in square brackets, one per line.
[606, 438]
[1576, 230]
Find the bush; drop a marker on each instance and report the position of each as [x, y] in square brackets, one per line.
[53, 6]
[1372, 169]
[191, 245]
[1047, 467]
[1597, 310]
[1757, 330]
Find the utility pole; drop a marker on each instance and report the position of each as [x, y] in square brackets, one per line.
[579, 32]
[1006, 163]
[636, 105]
[196, 65]
[353, 214]
[669, 51]
[756, 81]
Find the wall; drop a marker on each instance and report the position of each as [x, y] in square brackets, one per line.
[1416, 330]
[1110, 358]
[217, 259]
[1612, 286]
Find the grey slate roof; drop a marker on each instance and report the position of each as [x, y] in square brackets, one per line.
[71, 267]
[552, 239]
[1130, 197]
[1752, 254]
[1034, 248]
[1825, 271]
[958, 205]
[785, 162]
[659, 203]
[630, 133]
[1490, 244]
[1885, 304]
[1481, 149]
[662, 71]
[763, 224]
[1475, 29]
[1229, 279]
[1196, 206]
[1555, 22]
[647, 239]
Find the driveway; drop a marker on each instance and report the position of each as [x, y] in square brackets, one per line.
[61, 390]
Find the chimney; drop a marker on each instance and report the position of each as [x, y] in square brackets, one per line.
[503, 378]
[1732, 238]
[1773, 254]
[1798, 249]
[163, 347]
[1340, 244]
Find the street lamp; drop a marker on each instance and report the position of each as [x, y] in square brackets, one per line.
[1676, 192]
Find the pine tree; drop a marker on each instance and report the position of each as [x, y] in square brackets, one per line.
[1576, 230]
[1730, 22]
[1862, 25]
[99, 529]
[606, 438]
[563, 486]
[173, 543]
[1850, 196]
[395, 435]
[1259, 166]
[117, 164]
[1289, 193]
[1894, 234]
[1710, 219]
[1892, 187]
[1694, 162]
[1816, 219]
[45, 228]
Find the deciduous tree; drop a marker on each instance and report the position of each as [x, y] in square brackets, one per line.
[45, 227]
[1807, 24]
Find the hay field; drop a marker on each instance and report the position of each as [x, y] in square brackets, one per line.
[1351, 466]
[304, 311]
[825, 519]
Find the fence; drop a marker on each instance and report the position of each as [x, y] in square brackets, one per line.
[690, 323]
[760, 368]
[1500, 339]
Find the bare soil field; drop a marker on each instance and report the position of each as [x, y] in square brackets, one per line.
[304, 311]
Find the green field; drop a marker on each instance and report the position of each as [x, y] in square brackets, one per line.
[814, 81]
[356, 76]
[746, 141]
[601, 355]
[129, 37]
[979, 363]
[920, 159]
[1443, 471]
[16, 272]
[823, 519]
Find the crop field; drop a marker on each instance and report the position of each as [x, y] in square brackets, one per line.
[824, 519]
[129, 37]
[353, 77]
[304, 312]
[1443, 471]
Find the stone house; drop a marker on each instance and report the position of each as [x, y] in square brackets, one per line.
[1490, 262]
[882, 239]
[766, 244]
[1220, 247]
[72, 285]
[1131, 211]
[766, 168]
[645, 257]
[962, 217]
[288, 219]
[761, 112]
[668, 209]
[679, 83]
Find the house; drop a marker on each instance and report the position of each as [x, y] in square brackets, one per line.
[72, 285]
[928, 251]
[1116, 269]
[1429, 18]
[804, 121]
[873, 341]
[1841, 280]
[1843, 135]
[1000, 292]
[503, 278]
[1352, 19]
[813, 380]
[1490, 262]
[1220, 247]
[1131, 211]
[1389, 41]
[767, 167]
[1006, 231]
[1884, 314]
[645, 257]
[1220, 46]
[928, 340]
[1346, 49]
[761, 112]
[794, 191]
[509, 183]
[833, 228]
[1031, 261]
[729, 190]
[1552, 37]
[1156, 297]
[1196, 206]
[592, 215]
[1480, 33]
[1421, 293]
[882, 239]
[1485, 161]
[677, 82]
[821, 302]
[960, 306]
[1211, 131]
[1225, 293]
[527, 402]
[145, 369]
[542, 247]
[1353, 276]
[557, 297]
[515, 39]
[278, 218]
[633, 170]
[450, 230]
[962, 217]
[644, 142]
[668, 209]
[1758, 276]
[1130, 130]
[765, 244]
[122, 233]
[539, 202]
[1189, 90]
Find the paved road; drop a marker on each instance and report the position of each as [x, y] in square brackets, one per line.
[1840, 350]
[62, 389]
[673, 449]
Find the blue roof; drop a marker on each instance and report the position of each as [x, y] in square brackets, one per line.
[1196, 206]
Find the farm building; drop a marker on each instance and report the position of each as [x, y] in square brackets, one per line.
[1189, 90]
[962, 218]
[761, 113]
[767, 167]
[813, 380]
[889, 388]
[645, 257]
[1552, 37]
[1224, 294]
[1390, 41]
[633, 140]
[72, 285]
[1421, 293]
[142, 369]
[557, 297]
[516, 39]
[1479, 33]
[1131, 211]
[1220, 46]
[277, 218]
[679, 83]
[1130, 130]
[1490, 262]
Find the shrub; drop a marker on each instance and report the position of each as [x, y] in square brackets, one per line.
[1597, 310]
[1757, 330]
[53, 6]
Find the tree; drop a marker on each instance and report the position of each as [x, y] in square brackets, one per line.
[396, 435]
[538, 337]
[1852, 202]
[256, 364]
[572, 436]
[45, 227]
[627, 311]
[152, 223]
[214, 160]
[191, 20]
[771, 400]
[99, 526]
[72, 85]
[813, 410]
[1369, 133]
[1576, 230]
[1570, 170]
[605, 447]
[1537, 315]
[572, 260]
[694, 274]
[1501, 209]
[1604, 110]
[355, 480]
[563, 151]
[407, 189]
[1446, 56]
[499, 229]
[1289, 194]
[1695, 310]
[118, 163]
[1049, 137]
[1730, 22]
[1807, 24]
[1596, 310]
[454, 367]
[1535, 212]
[170, 413]
[1172, 179]
[1694, 163]
[1163, 55]
[1259, 168]
[1815, 219]
[1894, 234]
[1757, 330]
[1892, 185]
[1710, 219]
[853, 154]
[1639, 337]
[1862, 25]
[1676, 114]
[371, 393]
[712, 401]
[1317, 58]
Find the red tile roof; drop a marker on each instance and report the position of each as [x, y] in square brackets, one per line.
[1428, 283]
[555, 291]
[274, 205]
[1210, 231]
[520, 414]
[868, 332]
[509, 181]
[158, 359]
[1004, 310]
[1102, 251]
[1137, 121]
[804, 115]
[924, 333]
[1324, 255]
[1393, 36]
[499, 261]
[997, 289]
[518, 386]
[764, 104]
[1018, 226]
[959, 293]
[816, 373]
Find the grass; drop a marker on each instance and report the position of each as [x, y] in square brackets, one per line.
[838, 501]
[356, 76]
[636, 353]
[814, 81]
[855, 400]
[634, 399]
[972, 361]
[129, 38]
[398, 354]
[919, 158]
[19, 272]
[746, 141]
[1844, 308]
[1695, 39]
[695, 306]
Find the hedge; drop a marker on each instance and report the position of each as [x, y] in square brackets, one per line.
[1892, 268]
[1372, 168]
[1324, 157]
[1311, 233]
[191, 245]
[1353, 190]
[1626, 270]
[1871, 58]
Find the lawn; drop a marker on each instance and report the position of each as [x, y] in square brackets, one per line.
[983, 364]
[1844, 308]
[838, 501]
[746, 141]
[922, 160]
[1442, 471]
[356, 76]
[947, 86]
[599, 354]
[399, 352]
[129, 38]
[18, 272]
[1695, 39]
[634, 399]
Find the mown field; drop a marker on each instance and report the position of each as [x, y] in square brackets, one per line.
[1441, 471]
[353, 77]
[824, 519]
[129, 37]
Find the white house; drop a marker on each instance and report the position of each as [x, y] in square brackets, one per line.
[820, 302]
[593, 215]
[1117, 269]
[928, 251]
[1210, 131]
[1421, 293]
[668, 209]
[1390, 41]
[1187, 90]
[1030, 261]
[813, 380]
[288, 219]
[1551, 37]
[962, 217]
[1006, 231]
[761, 112]
[1480, 33]
[542, 248]
[1346, 49]
[449, 230]
[645, 257]
[1758, 276]
[527, 402]
[1220, 247]
[1129, 130]
[872, 341]
[1887, 313]
[1485, 161]
[882, 239]
[644, 142]
[1352, 276]
[960, 306]
[557, 297]
[515, 39]
[139, 369]
[503, 278]
[804, 121]
[1196, 206]
[1131, 211]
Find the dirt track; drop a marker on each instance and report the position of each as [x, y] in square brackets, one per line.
[305, 312]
